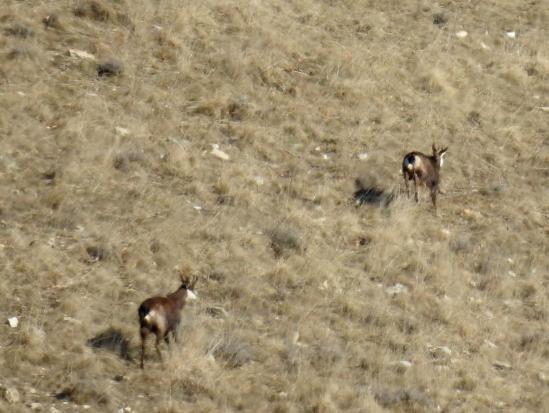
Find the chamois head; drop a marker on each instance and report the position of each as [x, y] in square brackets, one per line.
[188, 281]
[438, 154]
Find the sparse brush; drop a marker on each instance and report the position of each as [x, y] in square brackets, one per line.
[110, 67]
[94, 9]
[231, 349]
[285, 240]
[19, 30]
[51, 21]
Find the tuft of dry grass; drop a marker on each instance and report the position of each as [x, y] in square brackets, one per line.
[260, 144]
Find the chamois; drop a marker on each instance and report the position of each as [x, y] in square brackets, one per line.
[423, 170]
[161, 315]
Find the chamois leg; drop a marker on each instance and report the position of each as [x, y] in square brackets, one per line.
[157, 345]
[144, 334]
[434, 191]
[416, 196]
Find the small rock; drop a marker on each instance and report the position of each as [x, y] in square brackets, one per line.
[362, 156]
[461, 34]
[544, 378]
[484, 46]
[511, 35]
[35, 406]
[489, 343]
[405, 363]
[71, 319]
[81, 54]
[502, 365]
[544, 108]
[13, 322]
[259, 180]
[122, 131]
[437, 351]
[11, 395]
[472, 214]
[396, 289]
[219, 153]
[324, 285]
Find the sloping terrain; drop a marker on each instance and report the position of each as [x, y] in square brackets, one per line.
[138, 136]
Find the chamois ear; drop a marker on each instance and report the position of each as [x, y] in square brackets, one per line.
[442, 151]
[192, 282]
[435, 152]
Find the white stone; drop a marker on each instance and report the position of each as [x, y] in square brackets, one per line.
[219, 153]
[489, 343]
[502, 365]
[405, 363]
[362, 156]
[81, 54]
[511, 35]
[461, 34]
[11, 395]
[396, 289]
[13, 322]
[122, 131]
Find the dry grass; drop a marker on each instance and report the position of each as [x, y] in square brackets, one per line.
[107, 181]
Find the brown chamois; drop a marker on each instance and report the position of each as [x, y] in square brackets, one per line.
[423, 170]
[161, 315]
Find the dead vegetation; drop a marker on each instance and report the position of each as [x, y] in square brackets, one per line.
[262, 143]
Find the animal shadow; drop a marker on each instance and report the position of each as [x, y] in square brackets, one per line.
[112, 340]
[371, 194]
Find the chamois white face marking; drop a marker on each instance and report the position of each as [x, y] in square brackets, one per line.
[442, 158]
[191, 295]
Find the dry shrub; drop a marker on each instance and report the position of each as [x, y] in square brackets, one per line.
[407, 400]
[95, 9]
[19, 30]
[285, 240]
[231, 349]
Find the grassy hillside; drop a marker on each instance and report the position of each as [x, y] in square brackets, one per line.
[113, 115]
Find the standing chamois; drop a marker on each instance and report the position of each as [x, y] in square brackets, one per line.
[161, 315]
[423, 170]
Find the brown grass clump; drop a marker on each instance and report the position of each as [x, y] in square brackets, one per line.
[260, 144]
